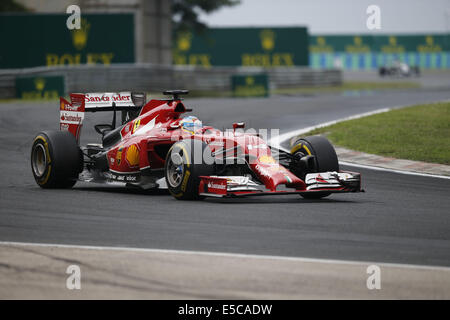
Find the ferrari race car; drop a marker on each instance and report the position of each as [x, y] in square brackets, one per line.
[156, 147]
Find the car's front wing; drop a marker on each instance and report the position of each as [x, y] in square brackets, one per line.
[236, 186]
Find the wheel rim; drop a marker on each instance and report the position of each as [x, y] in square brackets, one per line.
[175, 169]
[39, 160]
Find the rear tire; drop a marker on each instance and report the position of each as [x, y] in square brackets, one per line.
[324, 154]
[184, 166]
[56, 159]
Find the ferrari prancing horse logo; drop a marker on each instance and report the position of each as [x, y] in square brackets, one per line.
[137, 123]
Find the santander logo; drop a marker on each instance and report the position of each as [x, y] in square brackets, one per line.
[71, 117]
[107, 97]
[217, 186]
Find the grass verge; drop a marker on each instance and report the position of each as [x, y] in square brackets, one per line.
[420, 133]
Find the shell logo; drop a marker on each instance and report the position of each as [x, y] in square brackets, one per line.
[266, 159]
[132, 155]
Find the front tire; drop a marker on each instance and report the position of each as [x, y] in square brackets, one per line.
[186, 161]
[324, 155]
[56, 159]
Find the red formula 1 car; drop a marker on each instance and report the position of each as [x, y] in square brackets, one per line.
[156, 146]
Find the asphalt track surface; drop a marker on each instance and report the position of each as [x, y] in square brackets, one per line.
[400, 219]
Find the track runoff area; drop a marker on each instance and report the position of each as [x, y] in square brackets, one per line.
[123, 271]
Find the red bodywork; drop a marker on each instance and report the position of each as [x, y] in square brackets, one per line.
[145, 140]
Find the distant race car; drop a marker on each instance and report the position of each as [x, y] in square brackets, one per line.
[399, 69]
[156, 146]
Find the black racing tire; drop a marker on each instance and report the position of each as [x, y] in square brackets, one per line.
[186, 161]
[325, 158]
[321, 148]
[56, 159]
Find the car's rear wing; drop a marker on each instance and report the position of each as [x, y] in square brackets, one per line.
[72, 113]
[111, 101]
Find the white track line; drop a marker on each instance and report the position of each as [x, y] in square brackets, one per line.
[289, 135]
[411, 173]
[225, 254]
[277, 141]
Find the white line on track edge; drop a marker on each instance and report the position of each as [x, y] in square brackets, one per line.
[226, 254]
[411, 173]
[289, 135]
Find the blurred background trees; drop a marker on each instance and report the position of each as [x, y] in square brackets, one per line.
[185, 13]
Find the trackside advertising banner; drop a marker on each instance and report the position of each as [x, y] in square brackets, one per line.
[44, 40]
[250, 85]
[44, 87]
[260, 47]
[365, 52]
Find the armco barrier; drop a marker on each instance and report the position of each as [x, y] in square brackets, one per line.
[147, 77]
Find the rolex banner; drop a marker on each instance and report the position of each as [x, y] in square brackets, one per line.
[260, 47]
[44, 40]
[369, 52]
[250, 85]
[40, 87]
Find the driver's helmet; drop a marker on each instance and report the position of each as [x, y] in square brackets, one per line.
[191, 124]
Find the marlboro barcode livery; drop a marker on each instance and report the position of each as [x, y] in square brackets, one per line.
[156, 146]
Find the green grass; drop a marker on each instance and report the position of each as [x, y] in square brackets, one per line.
[419, 133]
